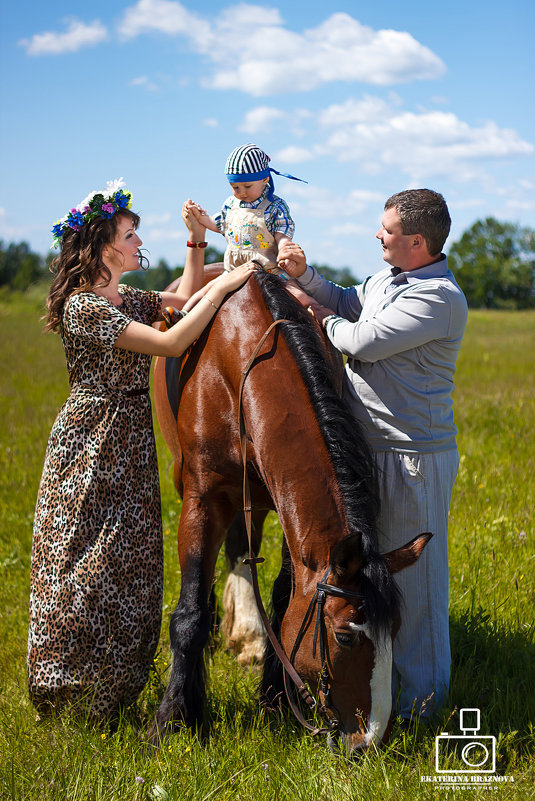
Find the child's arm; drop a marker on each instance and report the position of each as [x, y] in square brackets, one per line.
[280, 239]
[202, 217]
[283, 221]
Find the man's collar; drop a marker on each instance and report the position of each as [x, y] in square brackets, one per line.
[436, 269]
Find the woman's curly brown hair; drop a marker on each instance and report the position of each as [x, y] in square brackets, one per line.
[79, 265]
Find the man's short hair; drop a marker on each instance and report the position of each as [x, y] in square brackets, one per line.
[424, 212]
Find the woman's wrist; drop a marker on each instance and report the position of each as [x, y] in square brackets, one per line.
[216, 295]
[211, 302]
[197, 232]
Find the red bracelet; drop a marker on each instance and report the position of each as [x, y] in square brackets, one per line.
[196, 244]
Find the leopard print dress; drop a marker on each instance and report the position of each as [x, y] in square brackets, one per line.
[97, 564]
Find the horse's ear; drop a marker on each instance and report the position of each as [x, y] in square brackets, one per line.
[406, 555]
[346, 557]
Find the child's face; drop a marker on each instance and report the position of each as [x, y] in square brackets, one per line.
[248, 191]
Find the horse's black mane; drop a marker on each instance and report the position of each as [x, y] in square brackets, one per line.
[351, 457]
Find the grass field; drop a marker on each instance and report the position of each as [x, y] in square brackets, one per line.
[247, 755]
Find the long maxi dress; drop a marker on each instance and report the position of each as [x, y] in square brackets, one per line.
[97, 564]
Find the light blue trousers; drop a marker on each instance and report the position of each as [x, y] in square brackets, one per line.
[415, 498]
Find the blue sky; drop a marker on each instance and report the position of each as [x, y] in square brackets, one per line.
[360, 99]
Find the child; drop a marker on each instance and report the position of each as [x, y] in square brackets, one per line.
[254, 221]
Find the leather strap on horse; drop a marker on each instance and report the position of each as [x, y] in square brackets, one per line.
[253, 560]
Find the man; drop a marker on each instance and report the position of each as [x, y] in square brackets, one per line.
[401, 331]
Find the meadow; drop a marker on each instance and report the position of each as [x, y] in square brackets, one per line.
[249, 755]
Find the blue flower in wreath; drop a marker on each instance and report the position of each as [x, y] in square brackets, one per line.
[121, 199]
[75, 219]
[57, 230]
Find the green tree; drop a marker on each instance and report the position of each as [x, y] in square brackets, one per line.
[494, 263]
[212, 255]
[19, 267]
[162, 275]
[341, 275]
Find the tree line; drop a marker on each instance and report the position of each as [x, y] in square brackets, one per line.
[493, 262]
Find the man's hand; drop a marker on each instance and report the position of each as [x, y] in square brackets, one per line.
[292, 259]
[319, 312]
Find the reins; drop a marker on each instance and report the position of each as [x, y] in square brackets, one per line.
[323, 589]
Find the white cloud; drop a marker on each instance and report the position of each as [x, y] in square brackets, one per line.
[145, 82]
[420, 144]
[368, 110]
[253, 52]
[524, 205]
[211, 122]
[294, 155]
[78, 35]
[440, 100]
[263, 119]
[349, 229]
[260, 119]
[244, 17]
[164, 234]
[165, 16]
[339, 49]
[157, 219]
[467, 203]
[317, 201]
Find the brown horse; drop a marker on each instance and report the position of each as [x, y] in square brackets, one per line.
[307, 459]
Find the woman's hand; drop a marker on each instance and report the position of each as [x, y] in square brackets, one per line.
[233, 279]
[192, 218]
[227, 282]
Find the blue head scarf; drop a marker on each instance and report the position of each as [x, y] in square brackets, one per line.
[250, 163]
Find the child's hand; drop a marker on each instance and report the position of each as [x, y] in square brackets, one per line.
[191, 214]
[195, 209]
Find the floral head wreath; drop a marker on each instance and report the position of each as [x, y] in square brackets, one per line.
[100, 203]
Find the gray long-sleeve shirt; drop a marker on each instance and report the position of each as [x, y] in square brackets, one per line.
[401, 334]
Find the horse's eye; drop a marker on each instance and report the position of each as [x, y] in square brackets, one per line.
[345, 638]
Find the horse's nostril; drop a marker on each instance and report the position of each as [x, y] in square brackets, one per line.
[345, 638]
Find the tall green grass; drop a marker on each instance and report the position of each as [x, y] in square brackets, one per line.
[248, 755]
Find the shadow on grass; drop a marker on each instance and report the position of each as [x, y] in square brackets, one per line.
[493, 669]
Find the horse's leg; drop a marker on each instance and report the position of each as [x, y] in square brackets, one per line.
[200, 533]
[241, 625]
[272, 684]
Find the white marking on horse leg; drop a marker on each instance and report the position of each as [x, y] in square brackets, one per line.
[380, 686]
[241, 624]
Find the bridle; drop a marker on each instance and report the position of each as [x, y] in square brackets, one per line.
[323, 589]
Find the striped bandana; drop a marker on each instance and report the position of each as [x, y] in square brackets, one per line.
[250, 163]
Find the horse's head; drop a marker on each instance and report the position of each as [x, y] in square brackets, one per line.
[345, 650]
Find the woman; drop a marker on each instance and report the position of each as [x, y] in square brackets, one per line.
[96, 575]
